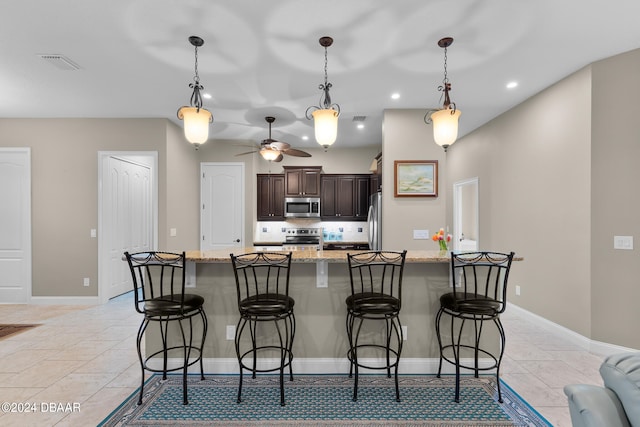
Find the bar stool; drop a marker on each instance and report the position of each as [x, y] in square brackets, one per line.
[159, 290]
[262, 282]
[376, 294]
[480, 295]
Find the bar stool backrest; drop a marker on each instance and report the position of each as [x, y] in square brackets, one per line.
[261, 274]
[377, 272]
[479, 276]
[157, 276]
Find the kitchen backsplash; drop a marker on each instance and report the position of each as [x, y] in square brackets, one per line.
[333, 231]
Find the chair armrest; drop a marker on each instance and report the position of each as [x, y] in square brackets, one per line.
[593, 406]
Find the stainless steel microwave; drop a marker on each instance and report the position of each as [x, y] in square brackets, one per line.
[302, 207]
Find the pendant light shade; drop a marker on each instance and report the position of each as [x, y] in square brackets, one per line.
[196, 118]
[325, 123]
[196, 124]
[325, 116]
[444, 120]
[445, 126]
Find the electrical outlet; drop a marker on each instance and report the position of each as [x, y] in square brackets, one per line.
[231, 332]
[517, 290]
[405, 331]
[86, 281]
[420, 234]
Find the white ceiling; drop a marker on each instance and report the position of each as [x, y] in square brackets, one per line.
[263, 57]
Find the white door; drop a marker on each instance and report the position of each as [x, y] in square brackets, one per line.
[127, 218]
[15, 225]
[465, 215]
[222, 203]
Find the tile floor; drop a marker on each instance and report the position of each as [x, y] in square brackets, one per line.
[85, 356]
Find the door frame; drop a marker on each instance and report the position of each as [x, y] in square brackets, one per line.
[457, 212]
[131, 156]
[28, 223]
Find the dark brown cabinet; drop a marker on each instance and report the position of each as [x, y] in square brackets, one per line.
[302, 181]
[270, 190]
[344, 197]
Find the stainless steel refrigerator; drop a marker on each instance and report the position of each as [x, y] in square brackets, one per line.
[374, 220]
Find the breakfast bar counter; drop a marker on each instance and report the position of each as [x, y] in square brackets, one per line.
[319, 283]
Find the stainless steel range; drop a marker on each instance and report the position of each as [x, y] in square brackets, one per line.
[302, 239]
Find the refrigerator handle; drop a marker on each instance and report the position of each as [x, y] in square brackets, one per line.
[371, 226]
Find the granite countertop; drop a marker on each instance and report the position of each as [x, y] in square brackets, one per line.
[301, 256]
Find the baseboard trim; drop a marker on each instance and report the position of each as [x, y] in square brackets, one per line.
[321, 366]
[597, 347]
[69, 300]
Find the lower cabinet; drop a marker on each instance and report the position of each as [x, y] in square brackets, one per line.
[344, 197]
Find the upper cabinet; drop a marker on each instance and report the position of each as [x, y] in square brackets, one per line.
[302, 181]
[270, 188]
[344, 197]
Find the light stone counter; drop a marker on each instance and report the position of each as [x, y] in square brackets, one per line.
[310, 256]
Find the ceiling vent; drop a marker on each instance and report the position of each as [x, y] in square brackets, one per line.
[359, 118]
[61, 62]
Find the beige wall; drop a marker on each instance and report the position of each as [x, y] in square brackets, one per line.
[556, 176]
[615, 290]
[533, 165]
[407, 137]
[64, 167]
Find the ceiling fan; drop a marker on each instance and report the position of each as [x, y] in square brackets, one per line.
[273, 150]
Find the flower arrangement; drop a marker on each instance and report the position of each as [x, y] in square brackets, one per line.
[442, 240]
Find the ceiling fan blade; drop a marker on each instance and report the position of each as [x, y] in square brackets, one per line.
[295, 152]
[279, 158]
[279, 145]
[247, 152]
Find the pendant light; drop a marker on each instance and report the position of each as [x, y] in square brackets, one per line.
[325, 116]
[196, 119]
[445, 120]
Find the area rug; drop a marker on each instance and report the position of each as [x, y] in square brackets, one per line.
[12, 329]
[325, 400]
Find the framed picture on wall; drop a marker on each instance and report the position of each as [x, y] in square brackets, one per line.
[416, 178]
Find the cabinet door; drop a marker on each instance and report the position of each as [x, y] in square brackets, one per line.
[311, 182]
[302, 182]
[362, 197]
[293, 182]
[270, 189]
[277, 197]
[328, 197]
[346, 201]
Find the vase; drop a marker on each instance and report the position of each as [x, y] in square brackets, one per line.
[443, 245]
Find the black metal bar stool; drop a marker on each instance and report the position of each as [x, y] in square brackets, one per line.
[479, 295]
[262, 280]
[376, 294]
[159, 289]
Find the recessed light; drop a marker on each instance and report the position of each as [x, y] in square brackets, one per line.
[305, 137]
[206, 95]
[395, 95]
[360, 125]
[512, 85]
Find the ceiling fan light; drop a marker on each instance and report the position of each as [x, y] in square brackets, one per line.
[196, 124]
[269, 153]
[445, 126]
[325, 123]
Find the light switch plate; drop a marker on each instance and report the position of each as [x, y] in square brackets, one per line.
[420, 234]
[623, 242]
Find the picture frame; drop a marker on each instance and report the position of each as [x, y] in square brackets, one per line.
[415, 178]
